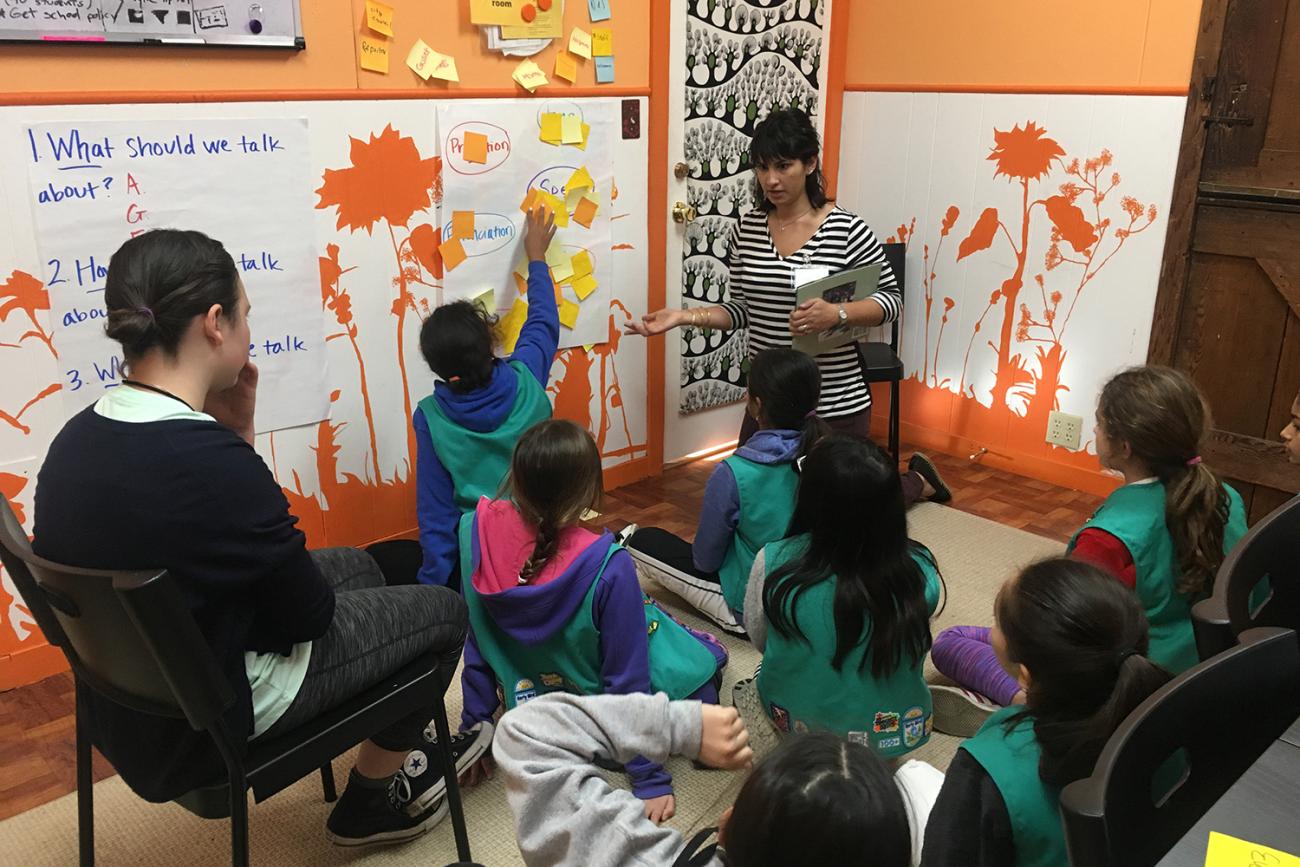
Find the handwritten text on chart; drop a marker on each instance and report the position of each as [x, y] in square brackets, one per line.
[72, 147]
[110, 371]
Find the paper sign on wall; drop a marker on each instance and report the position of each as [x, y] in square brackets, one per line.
[580, 43]
[373, 54]
[598, 10]
[379, 17]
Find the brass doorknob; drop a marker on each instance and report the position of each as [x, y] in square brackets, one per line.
[684, 213]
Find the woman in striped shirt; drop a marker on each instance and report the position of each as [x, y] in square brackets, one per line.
[795, 227]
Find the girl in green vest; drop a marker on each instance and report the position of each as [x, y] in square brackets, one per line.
[556, 608]
[748, 499]
[1163, 534]
[848, 601]
[1076, 642]
[465, 430]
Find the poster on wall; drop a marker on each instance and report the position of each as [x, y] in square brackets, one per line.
[243, 181]
[742, 60]
[495, 161]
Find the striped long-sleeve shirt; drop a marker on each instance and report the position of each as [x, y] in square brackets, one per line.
[762, 295]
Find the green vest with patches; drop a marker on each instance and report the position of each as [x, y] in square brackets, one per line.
[801, 690]
[478, 461]
[1011, 760]
[766, 504]
[1135, 514]
[570, 660]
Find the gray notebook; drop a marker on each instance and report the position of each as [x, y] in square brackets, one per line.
[837, 289]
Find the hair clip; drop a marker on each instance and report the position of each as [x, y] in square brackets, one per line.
[1194, 461]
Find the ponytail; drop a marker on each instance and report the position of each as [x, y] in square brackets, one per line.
[548, 540]
[813, 430]
[1196, 513]
[787, 385]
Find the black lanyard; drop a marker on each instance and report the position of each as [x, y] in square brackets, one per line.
[696, 854]
[164, 392]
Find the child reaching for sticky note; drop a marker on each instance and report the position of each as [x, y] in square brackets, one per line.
[466, 430]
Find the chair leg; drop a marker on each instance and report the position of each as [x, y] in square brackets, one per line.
[894, 444]
[238, 825]
[453, 784]
[327, 782]
[85, 794]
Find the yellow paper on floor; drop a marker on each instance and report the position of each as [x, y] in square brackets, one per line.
[1226, 851]
[487, 300]
[510, 324]
[373, 54]
[580, 180]
[562, 272]
[580, 43]
[571, 129]
[582, 264]
[530, 76]
[566, 67]
[583, 286]
[552, 128]
[568, 313]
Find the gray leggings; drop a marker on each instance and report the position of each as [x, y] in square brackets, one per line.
[375, 631]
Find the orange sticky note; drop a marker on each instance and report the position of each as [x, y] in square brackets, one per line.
[568, 313]
[566, 67]
[373, 54]
[582, 265]
[559, 296]
[462, 225]
[580, 43]
[475, 145]
[571, 129]
[602, 42]
[552, 129]
[584, 286]
[586, 212]
[530, 200]
[520, 283]
[453, 253]
[379, 17]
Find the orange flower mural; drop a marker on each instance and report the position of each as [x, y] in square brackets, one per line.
[24, 292]
[14, 614]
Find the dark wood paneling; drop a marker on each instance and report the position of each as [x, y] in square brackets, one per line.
[1252, 39]
[1252, 460]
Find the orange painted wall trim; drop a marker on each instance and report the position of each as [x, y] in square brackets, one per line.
[657, 230]
[175, 96]
[30, 665]
[1063, 89]
[836, 60]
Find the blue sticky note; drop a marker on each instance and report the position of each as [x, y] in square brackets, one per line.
[599, 9]
[604, 70]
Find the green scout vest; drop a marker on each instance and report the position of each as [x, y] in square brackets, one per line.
[766, 504]
[800, 689]
[478, 461]
[1135, 514]
[1011, 760]
[570, 660]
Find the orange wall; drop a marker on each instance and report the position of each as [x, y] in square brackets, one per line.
[329, 63]
[1134, 45]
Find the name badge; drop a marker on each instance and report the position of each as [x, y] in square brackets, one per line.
[801, 274]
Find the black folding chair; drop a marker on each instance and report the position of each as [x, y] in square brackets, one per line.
[1269, 552]
[1122, 815]
[880, 361]
[129, 637]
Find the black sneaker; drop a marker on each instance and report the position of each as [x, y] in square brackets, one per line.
[423, 765]
[925, 468]
[372, 813]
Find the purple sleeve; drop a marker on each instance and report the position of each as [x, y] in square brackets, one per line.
[619, 614]
[478, 683]
[435, 508]
[540, 336]
[965, 654]
[719, 517]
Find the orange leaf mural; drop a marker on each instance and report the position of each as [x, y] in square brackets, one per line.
[24, 292]
[981, 236]
[388, 181]
[425, 245]
[1070, 223]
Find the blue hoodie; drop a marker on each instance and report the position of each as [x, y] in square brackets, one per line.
[720, 512]
[483, 409]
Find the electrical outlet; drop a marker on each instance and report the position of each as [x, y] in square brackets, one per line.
[1065, 430]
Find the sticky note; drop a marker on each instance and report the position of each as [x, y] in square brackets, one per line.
[555, 206]
[582, 265]
[488, 301]
[521, 285]
[379, 17]
[453, 253]
[555, 254]
[420, 58]
[571, 129]
[562, 272]
[568, 313]
[566, 67]
[462, 225]
[604, 70]
[530, 76]
[598, 10]
[521, 269]
[559, 296]
[443, 67]
[602, 42]
[1225, 851]
[373, 54]
[530, 200]
[495, 11]
[586, 132]
[510, 324]
[584, 286]
[552, 130]
[475, 147]
[585, 212]
[580, 180]
[580, 43]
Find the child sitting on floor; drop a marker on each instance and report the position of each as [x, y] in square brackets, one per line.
[556, 608]
[466, 429]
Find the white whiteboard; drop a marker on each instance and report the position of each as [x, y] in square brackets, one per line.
[254, 23]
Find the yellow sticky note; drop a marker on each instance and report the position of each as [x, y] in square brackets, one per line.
[555, 254]
[453, 253]
[521, 270]
[373, 54]
[488, 300]
[555, 206]
[585, 212]
[444, 67]
[379, 17]
[420, 58]
[552, 128]
[462, 225]
[562, 272]
[587, 347]
[566, 67]
[530, 76]
[586, 132]
[568, 313]
[530, 200]
[475, 147]
[571, 129]
[1225, 851]
[580, 43]
[509, 325]
[602, 42]
[584, 286]
[579, 180]
[582, 265]
[502, 12]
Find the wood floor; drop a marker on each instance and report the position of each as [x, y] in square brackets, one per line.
[37, 761]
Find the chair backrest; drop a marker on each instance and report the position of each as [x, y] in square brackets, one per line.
[1222, 714]
[127, 635]
[1269, 550]
[896, 255]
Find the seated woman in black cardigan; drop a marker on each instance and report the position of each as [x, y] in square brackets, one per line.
[161, 472]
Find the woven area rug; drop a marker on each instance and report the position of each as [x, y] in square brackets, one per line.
[975, 555]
